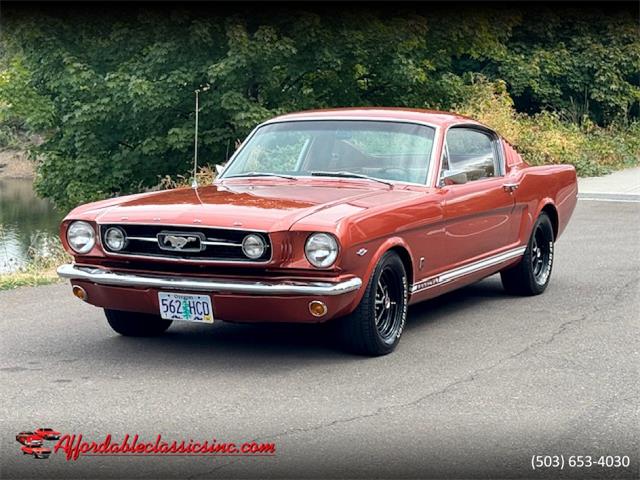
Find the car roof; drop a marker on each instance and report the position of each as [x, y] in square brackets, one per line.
[433, 117]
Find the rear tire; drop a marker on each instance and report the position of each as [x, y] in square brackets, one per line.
[375, 326]
[531, 276]
[131, 324]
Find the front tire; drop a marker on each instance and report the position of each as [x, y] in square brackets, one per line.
[375, 326]
[131, 324]
[531, 276]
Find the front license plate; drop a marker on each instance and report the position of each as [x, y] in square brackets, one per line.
[190, 308]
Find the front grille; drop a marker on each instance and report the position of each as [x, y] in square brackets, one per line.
[191, 243]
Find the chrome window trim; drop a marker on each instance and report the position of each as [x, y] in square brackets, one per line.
[496, 139]
[432, 157]
[445, 149]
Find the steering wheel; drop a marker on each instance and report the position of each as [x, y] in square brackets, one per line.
[395, 173]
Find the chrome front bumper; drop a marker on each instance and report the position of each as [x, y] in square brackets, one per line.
[102, 276]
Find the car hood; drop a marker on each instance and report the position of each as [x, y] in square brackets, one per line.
[259, 205]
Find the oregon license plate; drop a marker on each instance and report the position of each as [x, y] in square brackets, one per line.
[190, 308]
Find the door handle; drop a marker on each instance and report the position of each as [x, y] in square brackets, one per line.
[510, 187]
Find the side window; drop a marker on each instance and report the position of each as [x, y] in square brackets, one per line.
[470, 155]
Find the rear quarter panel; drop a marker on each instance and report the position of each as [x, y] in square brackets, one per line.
[540, 187]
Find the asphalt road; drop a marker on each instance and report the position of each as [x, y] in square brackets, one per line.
[480, 382]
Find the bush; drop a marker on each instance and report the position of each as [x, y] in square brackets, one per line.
[545, 138]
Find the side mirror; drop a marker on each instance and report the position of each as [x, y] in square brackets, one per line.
[453, 178]
[220, 168]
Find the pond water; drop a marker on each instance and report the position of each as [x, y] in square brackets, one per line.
[28, 224]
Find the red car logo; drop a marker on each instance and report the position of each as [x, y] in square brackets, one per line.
[29, 439]
[37, 452]
[48, 433]
[32, 441]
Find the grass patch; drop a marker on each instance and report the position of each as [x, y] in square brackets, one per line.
[29, 277]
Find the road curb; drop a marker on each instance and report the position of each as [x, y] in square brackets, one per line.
[610, 197]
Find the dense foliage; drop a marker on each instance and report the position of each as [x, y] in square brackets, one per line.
[113, 92]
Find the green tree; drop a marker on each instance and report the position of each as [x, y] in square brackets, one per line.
[582, 64]
[114, 91]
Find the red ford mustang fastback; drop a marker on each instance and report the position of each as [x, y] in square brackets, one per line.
[348, 215]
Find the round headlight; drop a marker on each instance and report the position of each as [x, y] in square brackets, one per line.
[115, 238]
[253, 246]
[321, 250]
[81, 237]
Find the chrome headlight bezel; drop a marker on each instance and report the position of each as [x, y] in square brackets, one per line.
[253, 241]
[76, 231]
[113, 230]
[321, 242]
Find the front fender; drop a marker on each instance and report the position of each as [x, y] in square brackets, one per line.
[381, 249]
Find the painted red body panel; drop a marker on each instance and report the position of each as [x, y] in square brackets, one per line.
[436, 229]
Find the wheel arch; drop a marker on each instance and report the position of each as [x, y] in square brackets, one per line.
[407, 261]
[550, 209]
[400, 247]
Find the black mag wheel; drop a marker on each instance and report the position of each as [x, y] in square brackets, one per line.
[532, 274]
[541, 251]
[388, 300]
[375, 326]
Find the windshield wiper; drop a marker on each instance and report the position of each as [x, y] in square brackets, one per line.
[261, 174]
[349, 175]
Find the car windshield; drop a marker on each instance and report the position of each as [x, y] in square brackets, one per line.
[382, 150]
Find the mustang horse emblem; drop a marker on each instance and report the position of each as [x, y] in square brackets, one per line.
[178, 242]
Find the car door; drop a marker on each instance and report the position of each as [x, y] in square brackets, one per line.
[478, 207]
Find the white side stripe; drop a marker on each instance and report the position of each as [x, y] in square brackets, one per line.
[450, 275]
